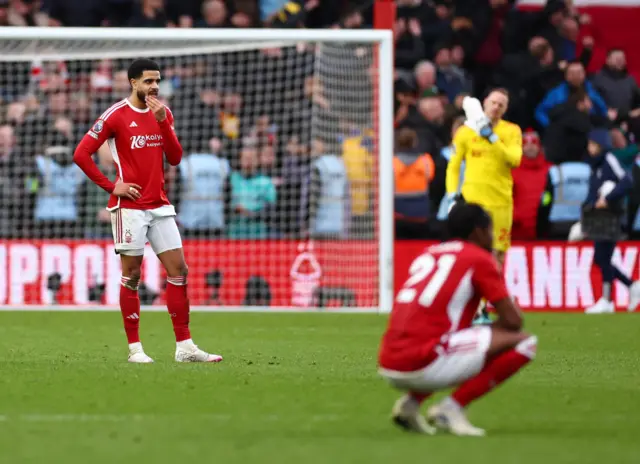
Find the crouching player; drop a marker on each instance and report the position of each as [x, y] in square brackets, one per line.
[429, 344]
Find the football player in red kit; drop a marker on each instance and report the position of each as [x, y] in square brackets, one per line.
[139, 133]
[429, 344]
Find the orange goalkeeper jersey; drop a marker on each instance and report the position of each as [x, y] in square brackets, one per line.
[487, 174]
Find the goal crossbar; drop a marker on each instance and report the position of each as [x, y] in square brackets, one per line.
[182, 35]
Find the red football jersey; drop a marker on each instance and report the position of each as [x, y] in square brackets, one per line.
[441, 295]
[138, 143]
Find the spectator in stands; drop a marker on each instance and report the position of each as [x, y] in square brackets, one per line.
[93, 200]
[425, 78]
[205, 102]
[57, 207]
[486, 49]
[528, 75]
[449, 78]
[292, 14]
[11, 190]
[565, 193]
[253, 197]
[230, 120]
[356, 150]
[82, 115]
[121, 87]
[214, 14]
[77, 13]
[618, 88]
[430, 124]
[328, 192]
[413, 172]
[574, 81]
[625, 150]
[269, 8]
[409, 46]
[150, 13]
[202, 192]
[567, 46]
[405, 99]
[436, 22]
[566, 135]
[101, 78]
[529, 181]
[22, 13]
[295, 173]
[264, 132]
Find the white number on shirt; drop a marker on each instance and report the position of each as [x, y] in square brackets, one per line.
[420, 269]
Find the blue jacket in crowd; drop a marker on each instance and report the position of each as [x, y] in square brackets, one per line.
[606, 167]
[560, 94]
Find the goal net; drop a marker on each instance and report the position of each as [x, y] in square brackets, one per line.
[278, 193]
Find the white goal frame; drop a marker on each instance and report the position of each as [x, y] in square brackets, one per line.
[246, 39]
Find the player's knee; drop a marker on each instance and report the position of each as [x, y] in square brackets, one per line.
[133, 273]
[528, 346]
[181, 270]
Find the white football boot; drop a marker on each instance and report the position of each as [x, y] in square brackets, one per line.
[634, 296]
[187, 351]
[449, 416]
[602, 306]
[406, 414]
[137, 354]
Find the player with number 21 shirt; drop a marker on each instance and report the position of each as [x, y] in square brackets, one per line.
[429, 344]
[139, 134]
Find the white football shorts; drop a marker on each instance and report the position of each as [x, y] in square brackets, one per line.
[462, 356]
[133, 228]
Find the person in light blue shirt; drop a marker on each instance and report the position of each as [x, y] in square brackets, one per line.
[57, 208]
[270, 7]
[253, 196]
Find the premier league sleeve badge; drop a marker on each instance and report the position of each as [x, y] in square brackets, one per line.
[97, 127]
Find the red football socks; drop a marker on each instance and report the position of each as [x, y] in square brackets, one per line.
[178, 307]
[130, 308]
[496, 371]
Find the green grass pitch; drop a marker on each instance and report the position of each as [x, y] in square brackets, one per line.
[298, 388]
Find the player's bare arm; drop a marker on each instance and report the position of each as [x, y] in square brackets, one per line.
[509, 315]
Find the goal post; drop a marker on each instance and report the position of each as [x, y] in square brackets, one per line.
[284, 196]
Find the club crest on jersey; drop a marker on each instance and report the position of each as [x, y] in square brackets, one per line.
[97, 127]
[127, 236]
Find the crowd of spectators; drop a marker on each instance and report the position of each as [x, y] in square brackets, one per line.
[448, 49]
[271, 113]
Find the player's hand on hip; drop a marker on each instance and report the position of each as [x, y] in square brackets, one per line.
[156, 107]
[127, 190]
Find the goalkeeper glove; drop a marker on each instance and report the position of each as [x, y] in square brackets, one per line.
[486, 131]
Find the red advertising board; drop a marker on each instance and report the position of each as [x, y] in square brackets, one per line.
[549, 276]
[291, 269]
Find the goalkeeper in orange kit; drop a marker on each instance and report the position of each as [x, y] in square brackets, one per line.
[491, 147]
